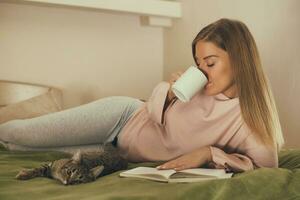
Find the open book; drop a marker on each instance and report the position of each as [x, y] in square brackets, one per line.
[170, 175]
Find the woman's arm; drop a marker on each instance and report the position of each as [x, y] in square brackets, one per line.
[252, 155]
[169, 99]
[192, 159]
[255, 156]
[156, 102]
[161, 98]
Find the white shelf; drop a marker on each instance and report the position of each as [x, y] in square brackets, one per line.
[158, 12]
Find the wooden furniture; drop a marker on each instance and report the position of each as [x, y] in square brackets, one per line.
[13, 92]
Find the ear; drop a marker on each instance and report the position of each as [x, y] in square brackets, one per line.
[77, 157]
[96, 171]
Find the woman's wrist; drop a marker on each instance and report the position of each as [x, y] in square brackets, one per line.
[170, 94]
[209, 154]
[167, 101]
[205, 153]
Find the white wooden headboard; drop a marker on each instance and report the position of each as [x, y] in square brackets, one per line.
[13, 92]
[151, 12]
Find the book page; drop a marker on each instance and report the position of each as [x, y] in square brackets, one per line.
[197, 179]
[187, 175]
[150, 171]
[204, 171]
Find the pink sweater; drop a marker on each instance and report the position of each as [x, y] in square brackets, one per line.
[214, 121]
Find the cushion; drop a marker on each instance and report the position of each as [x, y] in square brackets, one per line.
[48, 102]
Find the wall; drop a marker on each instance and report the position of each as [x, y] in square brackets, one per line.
[275, 25]
[88, 54]
[91, 54]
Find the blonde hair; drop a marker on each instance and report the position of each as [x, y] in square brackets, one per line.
[256, 99]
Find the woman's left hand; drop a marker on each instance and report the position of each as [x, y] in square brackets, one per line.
[192, 159]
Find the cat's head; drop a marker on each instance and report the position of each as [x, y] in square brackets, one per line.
[73, 171]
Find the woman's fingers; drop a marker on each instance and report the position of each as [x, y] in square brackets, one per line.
[172, 80]
[179, 73]
[175, 76]
[166, 165]
[170, 165]
[175, 167]
[179, 168]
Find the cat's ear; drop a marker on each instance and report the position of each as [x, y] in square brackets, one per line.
[77, 157]
[96, 171]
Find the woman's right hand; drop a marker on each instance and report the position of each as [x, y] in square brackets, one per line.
[172, 80]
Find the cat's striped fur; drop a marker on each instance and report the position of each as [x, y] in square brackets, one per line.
[81, 168]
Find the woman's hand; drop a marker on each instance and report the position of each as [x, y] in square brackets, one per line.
[192, 159]
[172, 80]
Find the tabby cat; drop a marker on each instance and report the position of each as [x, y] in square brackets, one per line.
[81, 168]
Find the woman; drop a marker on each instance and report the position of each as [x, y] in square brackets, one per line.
[226, 52]
[231, 124]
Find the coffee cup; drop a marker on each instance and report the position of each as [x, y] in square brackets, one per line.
[189, 83]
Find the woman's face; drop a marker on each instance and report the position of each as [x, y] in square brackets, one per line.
[215, 63]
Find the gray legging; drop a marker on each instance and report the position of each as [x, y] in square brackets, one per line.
[82, 127]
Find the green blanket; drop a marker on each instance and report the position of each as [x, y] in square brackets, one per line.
[264, 183]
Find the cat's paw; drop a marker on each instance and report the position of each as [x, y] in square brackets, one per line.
[24, 174]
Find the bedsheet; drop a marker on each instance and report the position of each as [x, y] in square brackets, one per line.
[264, 183]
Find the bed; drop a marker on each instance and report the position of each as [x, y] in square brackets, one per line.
[264, 183]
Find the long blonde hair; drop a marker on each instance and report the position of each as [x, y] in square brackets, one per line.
[256, 99]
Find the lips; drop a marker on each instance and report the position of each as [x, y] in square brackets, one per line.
[208, 84]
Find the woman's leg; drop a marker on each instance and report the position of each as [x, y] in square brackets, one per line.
[67, 149]
[92, 123]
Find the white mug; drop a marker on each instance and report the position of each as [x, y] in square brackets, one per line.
[189, 83]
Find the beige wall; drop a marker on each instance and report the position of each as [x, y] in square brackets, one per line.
[91, 54]
[88, 54]
[275, 25]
